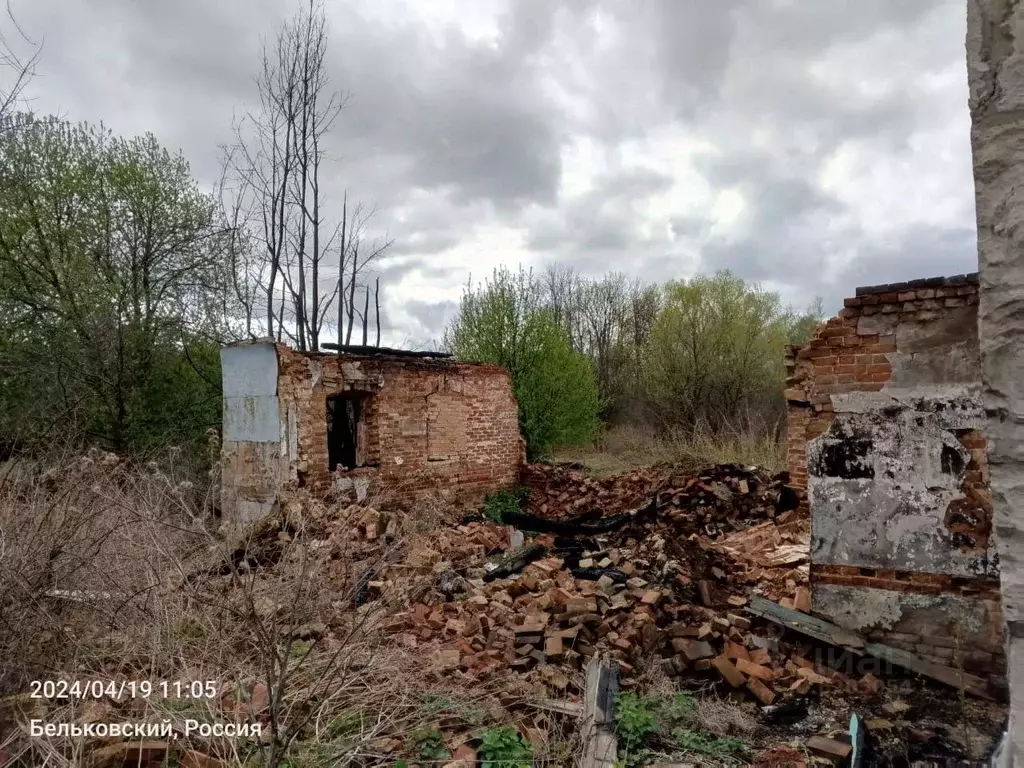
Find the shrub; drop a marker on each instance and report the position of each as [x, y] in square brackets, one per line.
[649, 725]
[505, 322]
[717, 349]
[708, 745]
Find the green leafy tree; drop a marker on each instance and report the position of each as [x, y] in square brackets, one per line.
[112, 288]
[506, 321]
[717, 351]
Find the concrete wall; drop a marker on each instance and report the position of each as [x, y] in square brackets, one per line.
[995, 34]
[428, 427]
[253, 454]
[886, 442]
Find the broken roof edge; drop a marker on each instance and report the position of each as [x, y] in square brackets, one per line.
[378, 354]
[913, 285]
[347, 350]
[360, 350]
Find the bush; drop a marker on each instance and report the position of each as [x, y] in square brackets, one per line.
[636, 723]
[430, 745]
[708, 745]
[505, 322]
[112, 315]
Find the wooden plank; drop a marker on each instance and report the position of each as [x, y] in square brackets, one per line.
[600, 743]
[805, 624]
[955, 678]
[834, 635]
[571, 708]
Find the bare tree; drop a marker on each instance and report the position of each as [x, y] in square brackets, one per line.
[609, 320]
[15, 69]
[355, 263]
[604, 308]
[376, 304]
[562, 288]
[280, 197]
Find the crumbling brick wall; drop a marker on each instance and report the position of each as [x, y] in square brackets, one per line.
[427, 426]
[885, 446]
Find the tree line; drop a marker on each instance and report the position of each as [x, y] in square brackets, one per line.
[120, 277]
[699, 354]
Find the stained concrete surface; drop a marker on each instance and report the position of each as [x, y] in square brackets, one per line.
[861, 609]
[882, 478]
[249, 382]
[995, 68]
[941, 352]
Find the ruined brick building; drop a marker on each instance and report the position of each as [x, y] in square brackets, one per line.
[398, 423]
[885, 443]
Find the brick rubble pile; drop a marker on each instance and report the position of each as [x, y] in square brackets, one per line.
[669, 587]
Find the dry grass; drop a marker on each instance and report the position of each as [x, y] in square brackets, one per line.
[625, 447]
[701, 448]
[94, 584]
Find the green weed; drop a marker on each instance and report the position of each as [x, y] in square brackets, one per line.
[345, 726]
[434, 704]
[430, 744]
[498, 505]
[503, 747]
[636, 723]
[649, 725]
[300, 649]
[708, 745]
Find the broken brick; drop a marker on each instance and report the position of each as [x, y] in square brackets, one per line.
[740, 622]
[869, 685]
[802, 599]
[651, 597]
[729, 672]
[734, 651]
[553, 647]
[760, 690]
[693, 650]
[754, 670]
[449, 659]
[760, 656]
[704, 588]
[830, 749]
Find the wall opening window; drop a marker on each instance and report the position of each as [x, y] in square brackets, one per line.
[346, 431]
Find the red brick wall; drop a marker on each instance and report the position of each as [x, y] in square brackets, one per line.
[838, 360]
[431, 426]
[843, 357]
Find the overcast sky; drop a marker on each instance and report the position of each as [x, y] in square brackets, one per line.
[811, 145]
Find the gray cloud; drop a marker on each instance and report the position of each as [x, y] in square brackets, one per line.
[466, 118]
[459, 136]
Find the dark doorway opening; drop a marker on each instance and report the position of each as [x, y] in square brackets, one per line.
[345, 430]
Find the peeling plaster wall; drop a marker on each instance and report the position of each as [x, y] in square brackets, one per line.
[941, 354]
[995, 43]
[882, 479]
[886, 437]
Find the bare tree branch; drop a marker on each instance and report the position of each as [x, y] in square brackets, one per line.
[278, 160]
[15, 69]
